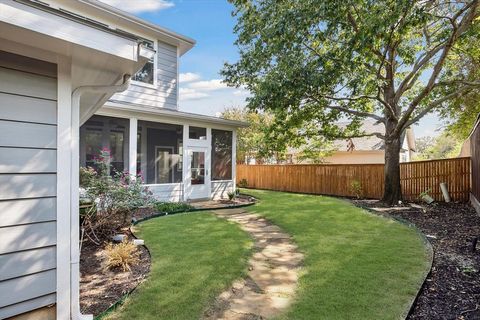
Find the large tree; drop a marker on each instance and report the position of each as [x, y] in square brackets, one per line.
[315, 62]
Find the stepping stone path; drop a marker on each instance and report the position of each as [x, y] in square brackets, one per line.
[273, 273]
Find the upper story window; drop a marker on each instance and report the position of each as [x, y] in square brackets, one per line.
[147, 73]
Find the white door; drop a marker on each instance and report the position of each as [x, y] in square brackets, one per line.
[198, 184]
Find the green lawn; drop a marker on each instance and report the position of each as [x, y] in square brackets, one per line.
[357, 265]
[194, 257]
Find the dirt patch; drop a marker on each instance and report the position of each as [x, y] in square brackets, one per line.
[452, 290]
[99, 288]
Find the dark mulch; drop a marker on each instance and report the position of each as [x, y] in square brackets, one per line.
[452, 290]
[99, 288]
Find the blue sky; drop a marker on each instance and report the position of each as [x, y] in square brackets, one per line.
[210, 23]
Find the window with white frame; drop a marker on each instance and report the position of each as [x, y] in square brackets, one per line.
[147, 73]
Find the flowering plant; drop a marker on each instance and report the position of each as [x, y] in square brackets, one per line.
[115, 194]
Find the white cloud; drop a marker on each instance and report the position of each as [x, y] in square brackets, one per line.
[189, 77]
[139, 6]
[208, 85]
[191, 94]
[241, 92]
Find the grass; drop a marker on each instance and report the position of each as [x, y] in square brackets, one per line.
[194, 257]
[357, 265]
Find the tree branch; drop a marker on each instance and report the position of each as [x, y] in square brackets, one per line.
[349, 111]
[457, 30]
[436, 103]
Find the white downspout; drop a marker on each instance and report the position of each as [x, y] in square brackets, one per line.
[75, 184]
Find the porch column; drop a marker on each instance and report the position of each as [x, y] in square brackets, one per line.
[186, 174]
[132, 147]
[234, 159]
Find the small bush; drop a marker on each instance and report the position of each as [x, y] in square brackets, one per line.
[243, 183]
[171, 207]
[231, 195]
[122, 255]
[114, 196]
[356, 188]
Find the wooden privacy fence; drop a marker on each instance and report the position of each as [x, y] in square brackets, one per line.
[336, 179]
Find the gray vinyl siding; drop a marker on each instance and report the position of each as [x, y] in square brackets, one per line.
[28, 118]
[172, 192]
[220, 189]
[164, 95]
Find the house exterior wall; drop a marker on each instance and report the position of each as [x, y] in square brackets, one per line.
[163, 93]
[175, 192]
[355, 157]
[28, 184]
[220, 189]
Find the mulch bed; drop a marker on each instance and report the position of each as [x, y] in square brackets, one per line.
[452, 290]
[99, 288]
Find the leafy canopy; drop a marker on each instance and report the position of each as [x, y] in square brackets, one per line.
[312, 63]
[265, 139]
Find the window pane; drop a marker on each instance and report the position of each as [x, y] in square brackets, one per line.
[163, 159]
[198, 168]
[197, 133]
[221, 155]
[146, 74]
[163, 164]
[116, 150]
[93, 145]
[139, 153]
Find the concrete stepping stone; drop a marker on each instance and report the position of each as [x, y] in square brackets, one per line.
[273, 273]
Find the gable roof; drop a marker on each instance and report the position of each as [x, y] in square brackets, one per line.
[370, 143]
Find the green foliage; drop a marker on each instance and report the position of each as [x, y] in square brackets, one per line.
[266, 139]
[172, 207]
[243, 183]
[312, 63]
[356, 188]
[194, 258]
[116, 195]
[425, 193]
[342, 244]
[442, 147]
[461, 112]
[231, 195]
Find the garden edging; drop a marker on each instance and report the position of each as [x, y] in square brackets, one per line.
[120, 301]
[428, 247]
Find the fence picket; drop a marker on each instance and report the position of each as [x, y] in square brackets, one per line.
[336, 179]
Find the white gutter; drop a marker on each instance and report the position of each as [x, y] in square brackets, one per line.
[75, 185]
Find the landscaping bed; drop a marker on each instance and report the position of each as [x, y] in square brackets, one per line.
[100, 288]
[452, 290]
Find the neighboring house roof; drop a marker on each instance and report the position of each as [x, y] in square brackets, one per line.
[370, 143]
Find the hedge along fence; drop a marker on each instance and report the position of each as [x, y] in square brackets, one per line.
[336, 179]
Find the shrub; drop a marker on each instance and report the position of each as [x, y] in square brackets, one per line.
[243, 183]
[122, 255]
[171, 207]
[231, 195]
[116, 195]
[356, 188]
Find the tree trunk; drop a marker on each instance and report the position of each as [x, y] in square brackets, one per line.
[393, 190]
